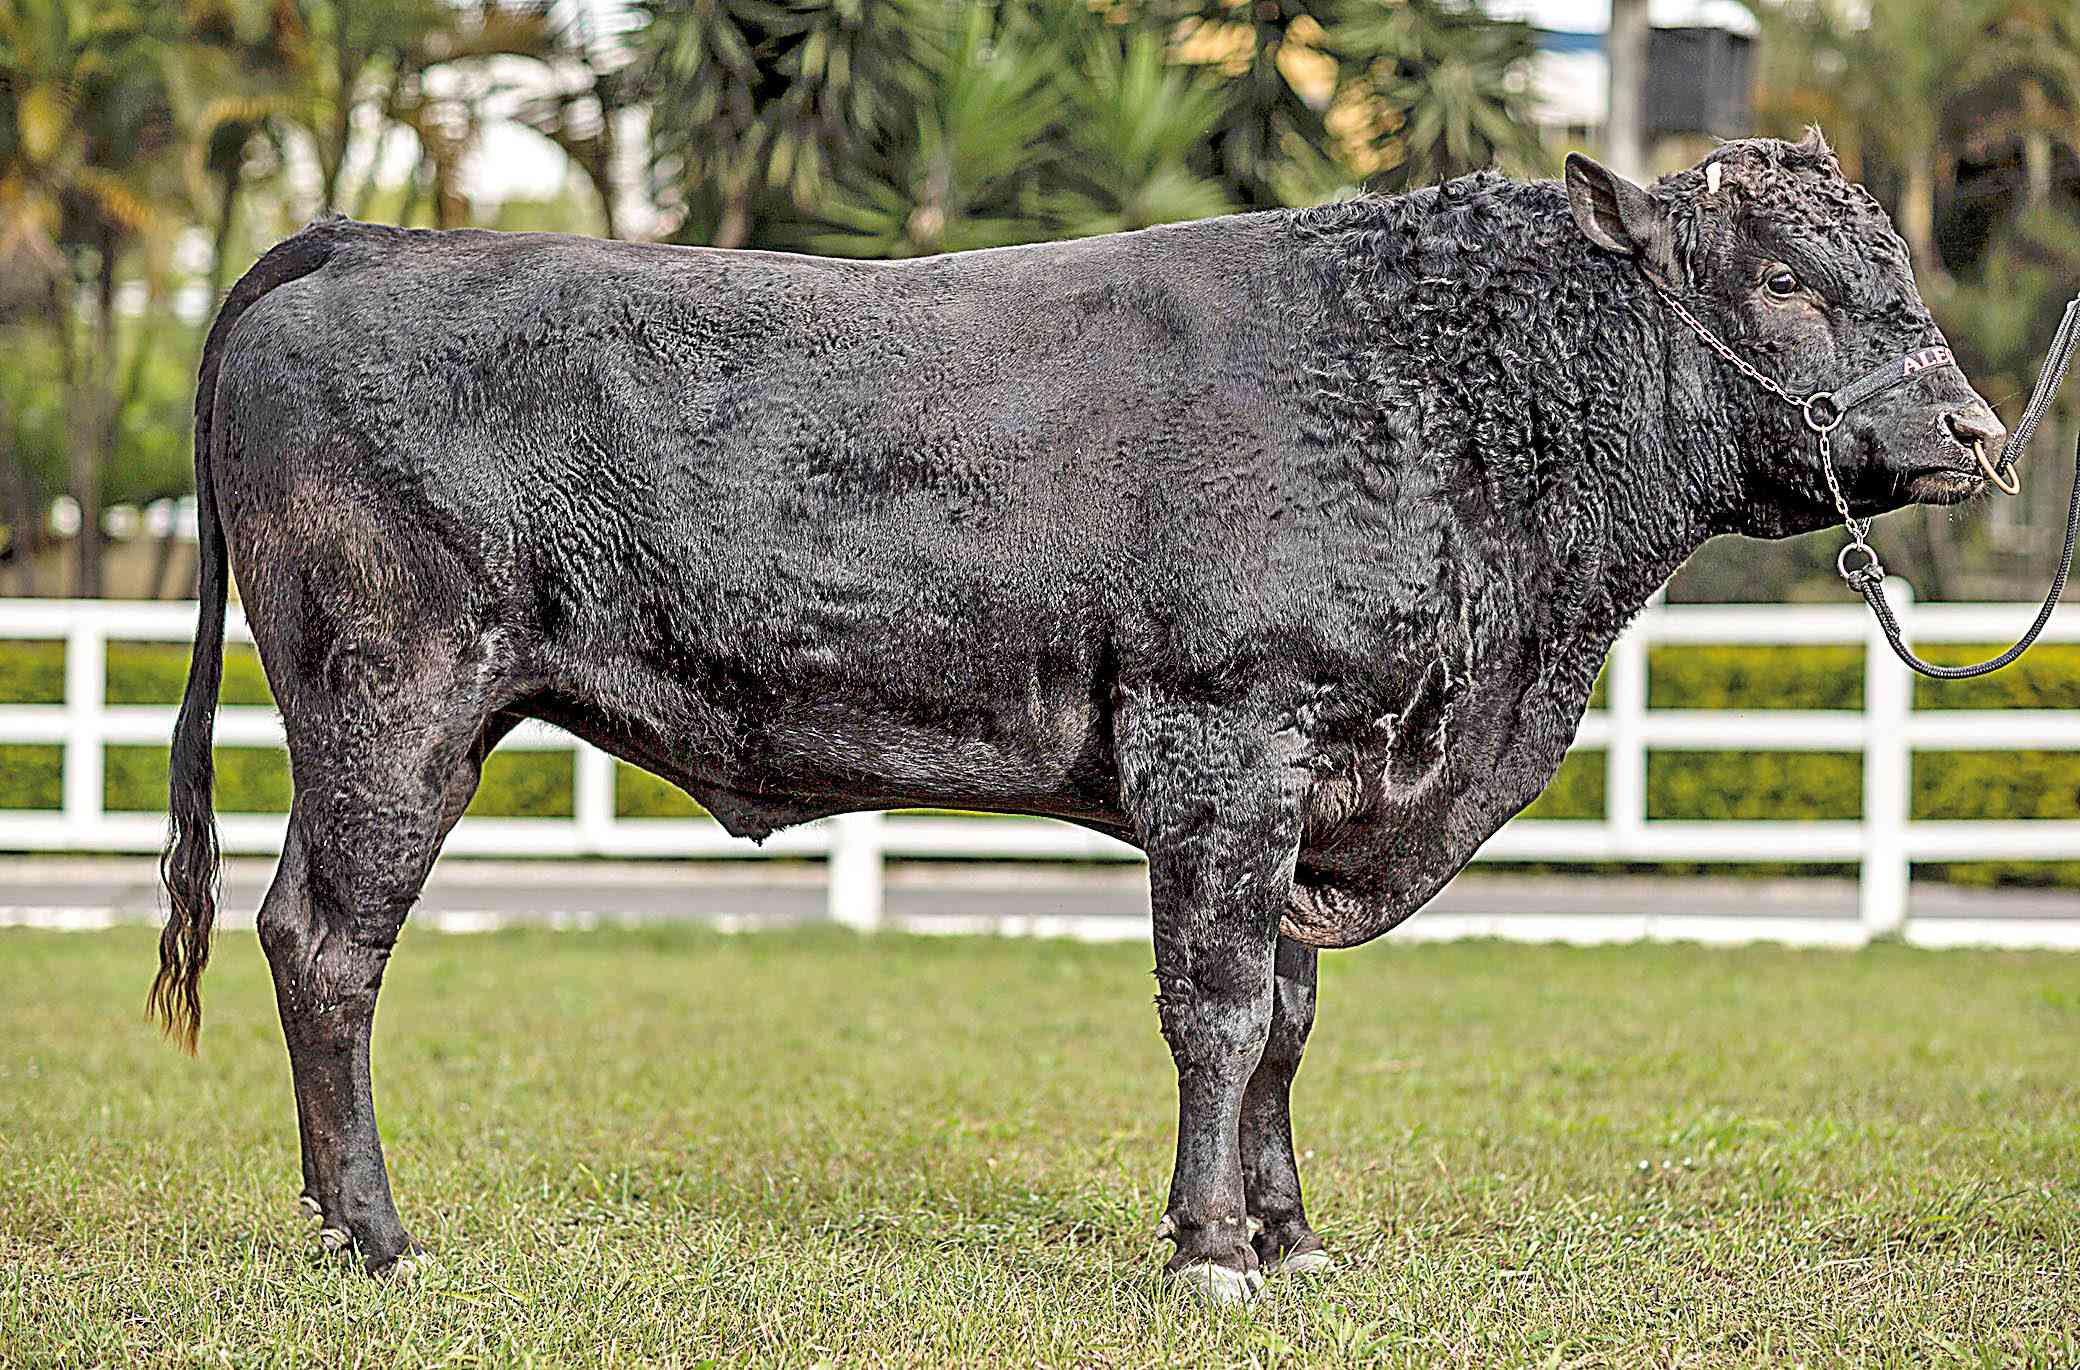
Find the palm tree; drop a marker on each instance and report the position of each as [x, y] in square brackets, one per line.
[448, 122]
[345, 57]
[1914, 50]
[2037, 57]
[347, 53]
[581, 120]
[1801, 63]
[1441, 88]
[1278, 79]
[965, 173]
[239, 70]
[754, 102]
[1134, 125]
[88, 125]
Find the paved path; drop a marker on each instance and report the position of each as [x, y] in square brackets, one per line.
[1035, 899]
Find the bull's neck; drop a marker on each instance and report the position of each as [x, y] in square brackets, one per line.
[1677, 483]
[1480, 347]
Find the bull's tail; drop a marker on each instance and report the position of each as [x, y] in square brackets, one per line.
[190, 861]
[189, 866]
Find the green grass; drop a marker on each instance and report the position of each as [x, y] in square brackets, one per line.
[674, 1146]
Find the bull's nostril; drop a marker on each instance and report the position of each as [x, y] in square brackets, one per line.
[1975, 425]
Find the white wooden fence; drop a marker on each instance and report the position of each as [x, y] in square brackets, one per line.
[1883, 843]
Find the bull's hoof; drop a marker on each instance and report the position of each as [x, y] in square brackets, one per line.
[400, 1263]
[309, 1208]
[1216, 1285]
[1302, 1264]
[413, 1267]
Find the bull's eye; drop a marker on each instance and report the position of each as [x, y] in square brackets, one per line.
[1781, 283]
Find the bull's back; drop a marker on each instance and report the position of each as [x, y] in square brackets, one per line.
[793, 524]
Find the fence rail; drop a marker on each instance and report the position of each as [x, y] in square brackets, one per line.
[1886, 731]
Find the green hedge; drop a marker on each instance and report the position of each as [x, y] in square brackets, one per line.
[157, 672]
[249, 779]
[29, 776]
[1829, 785]
[1691, 785]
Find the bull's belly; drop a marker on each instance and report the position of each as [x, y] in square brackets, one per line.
[798, 759]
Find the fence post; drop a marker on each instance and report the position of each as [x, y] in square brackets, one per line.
[1625, 759]
[854, 896]
[592, 797]
[86, 691]
[1888, 698]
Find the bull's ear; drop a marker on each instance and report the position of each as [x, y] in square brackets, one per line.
[1612, 211]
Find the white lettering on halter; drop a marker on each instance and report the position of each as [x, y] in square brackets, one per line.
[1924, 359]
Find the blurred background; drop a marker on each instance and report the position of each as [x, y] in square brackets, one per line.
[149, 152]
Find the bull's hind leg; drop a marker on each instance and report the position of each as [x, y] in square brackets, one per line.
[349, 874]
[1270, 1174]
[1215, 813]
[346, 1187]
[382, 773]
[374, 613]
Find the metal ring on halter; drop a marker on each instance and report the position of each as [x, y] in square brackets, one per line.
[1841, 561]
[1822, 415]
[2011, 485]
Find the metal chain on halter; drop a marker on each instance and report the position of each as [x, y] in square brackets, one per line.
[1823, 415]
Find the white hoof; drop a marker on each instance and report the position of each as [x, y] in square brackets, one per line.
[335, 1239]
[410, 1268]
[1315, 1262]
[1217, 1285]
[310, 1208]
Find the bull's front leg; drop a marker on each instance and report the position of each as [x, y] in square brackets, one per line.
[1218, 816]
[1270, 1173]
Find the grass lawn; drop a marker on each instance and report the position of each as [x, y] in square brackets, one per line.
[632, 1147]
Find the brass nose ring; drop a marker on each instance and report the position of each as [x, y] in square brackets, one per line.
[2011, 485]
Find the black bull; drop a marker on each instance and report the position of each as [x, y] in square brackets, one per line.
[1284, 546]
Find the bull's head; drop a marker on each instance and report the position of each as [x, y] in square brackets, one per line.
[1801, 274]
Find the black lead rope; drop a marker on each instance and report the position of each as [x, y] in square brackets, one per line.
[1824, 412]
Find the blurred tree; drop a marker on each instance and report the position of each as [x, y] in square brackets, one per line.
[1443, 90]
[966, 173]
[1277, 79]
[1625, 44]
[1999, 319]
[1888, 83]
[580, 117]
[353, 72]
[753, 102]
[89, 125]
[1803, 52]
[1156, 110]
[240, 66]
[437, 86]
[698, 68]
[1134, 124]
[2038, 59]
[347, 54]
[1907, 65]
